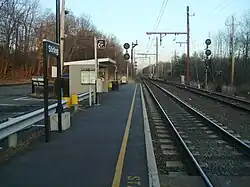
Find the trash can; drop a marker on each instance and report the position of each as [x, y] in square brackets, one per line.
[115, 85]
[64, 87]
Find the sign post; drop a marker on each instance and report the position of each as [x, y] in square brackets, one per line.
[49, 49]
[98, 44]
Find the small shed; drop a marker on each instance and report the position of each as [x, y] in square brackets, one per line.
[75, 68]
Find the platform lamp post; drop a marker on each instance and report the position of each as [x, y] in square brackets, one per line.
[59, 109]
[60, 35]
[64, 12]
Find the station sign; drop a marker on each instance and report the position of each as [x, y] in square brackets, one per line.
[52, 48]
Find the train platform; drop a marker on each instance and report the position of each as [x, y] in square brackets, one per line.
[105, 147]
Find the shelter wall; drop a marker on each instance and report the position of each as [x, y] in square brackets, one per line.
[75, 79]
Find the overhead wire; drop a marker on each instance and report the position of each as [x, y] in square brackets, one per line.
[223, 4]
[162, 14]
[220, 6]
[158, 20]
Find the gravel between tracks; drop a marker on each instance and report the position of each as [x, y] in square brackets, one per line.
[216, 156]
[234, 119]
[156, 144]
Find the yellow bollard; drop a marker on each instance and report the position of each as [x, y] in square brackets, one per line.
[68, 101]
[110, 86]
[74, 99]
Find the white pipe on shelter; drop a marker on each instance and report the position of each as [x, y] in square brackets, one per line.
[96, 68]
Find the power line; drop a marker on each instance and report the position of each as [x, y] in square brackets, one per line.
[158, 20]
[160, 17]
[162, 14]
[221, 6]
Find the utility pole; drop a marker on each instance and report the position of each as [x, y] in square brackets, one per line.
[132, 57]
[175, 56]
[174, 62]
[196, 72]
[62, 33]
[157, 60]
[232, 40]
[127, 70]
[59, 108]
[115, 67]
[64, 12]
[150, 66]
[187, 33]
[188, 46]
[162, 70]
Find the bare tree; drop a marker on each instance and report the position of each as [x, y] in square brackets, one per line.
[23, 27]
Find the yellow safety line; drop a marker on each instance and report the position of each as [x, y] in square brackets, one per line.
[120, 161]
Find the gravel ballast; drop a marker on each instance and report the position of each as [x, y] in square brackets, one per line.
[216, 156]
[163, 155]
[234, 119]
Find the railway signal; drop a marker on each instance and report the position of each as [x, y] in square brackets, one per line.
[126, 46]
[207, 53]
[126, 56]
[135, 65]
[208, 42]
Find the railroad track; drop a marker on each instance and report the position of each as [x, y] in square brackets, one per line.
[13, 111]
[168, 157]
[214, 152]
[232, 101]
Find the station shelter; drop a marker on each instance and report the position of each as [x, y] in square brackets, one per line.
[107, 71]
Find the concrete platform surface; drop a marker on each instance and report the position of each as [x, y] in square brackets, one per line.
[104, 148]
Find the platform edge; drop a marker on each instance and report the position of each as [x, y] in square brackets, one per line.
[153, 177]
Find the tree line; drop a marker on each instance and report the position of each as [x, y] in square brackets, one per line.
[23, 26]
